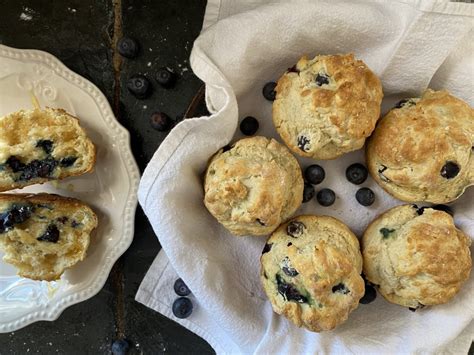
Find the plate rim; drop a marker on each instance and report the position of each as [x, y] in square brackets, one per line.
[52, 312]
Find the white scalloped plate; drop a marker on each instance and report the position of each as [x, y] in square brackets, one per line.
[111, 190]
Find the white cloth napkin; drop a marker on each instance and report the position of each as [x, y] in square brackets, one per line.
[411, 45]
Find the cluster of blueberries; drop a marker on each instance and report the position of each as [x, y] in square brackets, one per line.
[315, 174]
[140, 86]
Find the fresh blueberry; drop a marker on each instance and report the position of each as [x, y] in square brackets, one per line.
[182, 307]
[15, 164]
[120, 347]
[450, 170]
[165, 77]
[314, 174]
[326, 197]
[365, 196]
[50, 235]
[308, 192]
[340, 288]
[161, 121]
[128, 47]
[267, 248]
[295, 229]
[269, 91]
[356, 173]
[369, 295]
[289, 292]
[249, 126]
[303, 143]
[322, 79]
[46, 145]
[139, 86]
[181, 288]
[67, 161]
[444, 208]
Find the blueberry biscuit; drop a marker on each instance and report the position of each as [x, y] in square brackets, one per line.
[422, 150]
[253, 186]
[41, 145]
[310, 270]
[416, 256]
[44, 234]
[327, 106]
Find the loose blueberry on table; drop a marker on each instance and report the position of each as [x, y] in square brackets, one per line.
[269, 92]
[182, 307]
[161, 121]
[365, 196]
[356, 173]
[120, 347]
[249, 126]
[139, 86]
[165, 77]
[128, 47]
[308, 192]
[326, 197]
[181, 288]
[314, 174]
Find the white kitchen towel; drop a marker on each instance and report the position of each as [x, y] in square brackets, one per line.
[411, 45]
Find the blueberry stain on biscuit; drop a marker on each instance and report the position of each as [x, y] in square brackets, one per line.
[386, 232]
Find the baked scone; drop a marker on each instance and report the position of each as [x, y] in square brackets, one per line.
[422, 150]
[253, 186]
[310, 270]
[327, 106]
[41, 145]
[416, 256]
[44, 234]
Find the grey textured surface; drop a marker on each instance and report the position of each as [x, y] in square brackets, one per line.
[81, 33]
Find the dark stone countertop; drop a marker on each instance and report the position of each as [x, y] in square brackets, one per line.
[81, 33]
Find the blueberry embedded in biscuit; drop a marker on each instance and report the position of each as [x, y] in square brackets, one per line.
[311, 273]
[416, 258]
[36, 236]
[328, 108]
[423, 151]
[41, 145]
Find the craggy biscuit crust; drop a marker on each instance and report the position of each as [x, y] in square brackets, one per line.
[416, 256]
[327, 106]
[310, 270]
[413, 145]
[253, 187]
